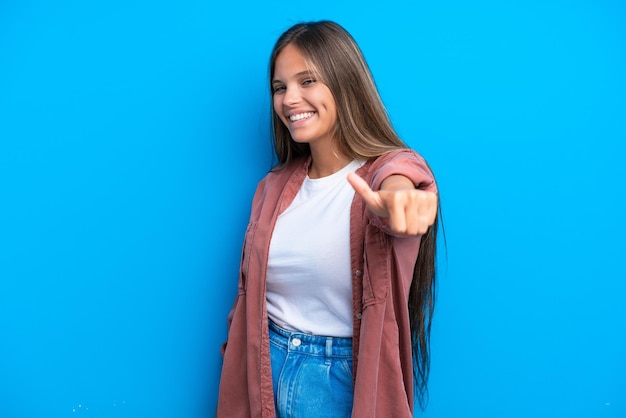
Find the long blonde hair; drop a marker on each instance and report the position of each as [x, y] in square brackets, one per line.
[363, 131]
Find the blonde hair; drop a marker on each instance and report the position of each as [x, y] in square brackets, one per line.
[363, 126]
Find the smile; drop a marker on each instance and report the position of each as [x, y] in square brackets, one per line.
[301, 116]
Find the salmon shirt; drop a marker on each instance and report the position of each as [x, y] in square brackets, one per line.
[382, 270]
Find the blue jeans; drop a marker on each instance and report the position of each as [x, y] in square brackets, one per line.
[312, 375]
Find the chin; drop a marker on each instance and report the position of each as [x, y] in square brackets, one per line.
[301, 140]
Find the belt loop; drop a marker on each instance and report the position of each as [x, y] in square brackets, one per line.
[329, 346]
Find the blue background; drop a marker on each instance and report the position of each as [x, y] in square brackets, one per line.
[132, 136]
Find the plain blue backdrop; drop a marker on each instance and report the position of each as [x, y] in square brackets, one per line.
[132, 136]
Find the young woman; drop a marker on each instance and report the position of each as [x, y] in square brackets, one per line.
[336, 286]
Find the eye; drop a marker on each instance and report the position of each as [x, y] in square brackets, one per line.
[308, 81]
[278, 89]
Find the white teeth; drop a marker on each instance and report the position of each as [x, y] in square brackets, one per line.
[300, 116]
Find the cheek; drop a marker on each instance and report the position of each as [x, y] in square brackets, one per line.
[332, 112]
[277, 109]
[326, 97]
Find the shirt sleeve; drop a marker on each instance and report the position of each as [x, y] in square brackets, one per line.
[407, 163]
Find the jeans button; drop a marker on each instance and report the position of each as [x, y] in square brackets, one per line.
[296, 342]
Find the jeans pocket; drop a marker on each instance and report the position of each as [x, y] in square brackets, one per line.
[346, 366]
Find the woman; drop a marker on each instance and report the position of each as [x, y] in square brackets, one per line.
[337, 274]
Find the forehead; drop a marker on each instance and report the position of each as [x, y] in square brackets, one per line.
[290, 62]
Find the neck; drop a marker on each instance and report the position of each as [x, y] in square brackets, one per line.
[326, 163]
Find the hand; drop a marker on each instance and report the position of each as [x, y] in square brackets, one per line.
[410, 211]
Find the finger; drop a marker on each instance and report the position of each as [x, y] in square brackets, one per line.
[408, 215]
[397, 213]
[371, 198]
[430, 212]
[426, 211]
[420, 211]
[414, 223]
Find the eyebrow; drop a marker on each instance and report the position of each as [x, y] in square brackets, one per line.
[300, 74]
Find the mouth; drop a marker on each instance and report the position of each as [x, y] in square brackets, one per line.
[301, 116]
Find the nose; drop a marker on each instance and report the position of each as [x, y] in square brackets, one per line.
[291, 96]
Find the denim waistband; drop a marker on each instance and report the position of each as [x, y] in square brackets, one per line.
[315, 345]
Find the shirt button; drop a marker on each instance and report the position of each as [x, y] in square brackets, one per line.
[358, 272]
[296, 342]
[359, 316]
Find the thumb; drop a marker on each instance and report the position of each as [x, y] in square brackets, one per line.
[360, 186]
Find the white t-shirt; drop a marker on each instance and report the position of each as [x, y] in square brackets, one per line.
[309, 282]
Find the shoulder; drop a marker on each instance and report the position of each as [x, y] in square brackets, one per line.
[286, 170]
[279, 175]
[398, 157]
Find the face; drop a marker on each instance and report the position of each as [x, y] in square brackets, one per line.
[304, 104]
